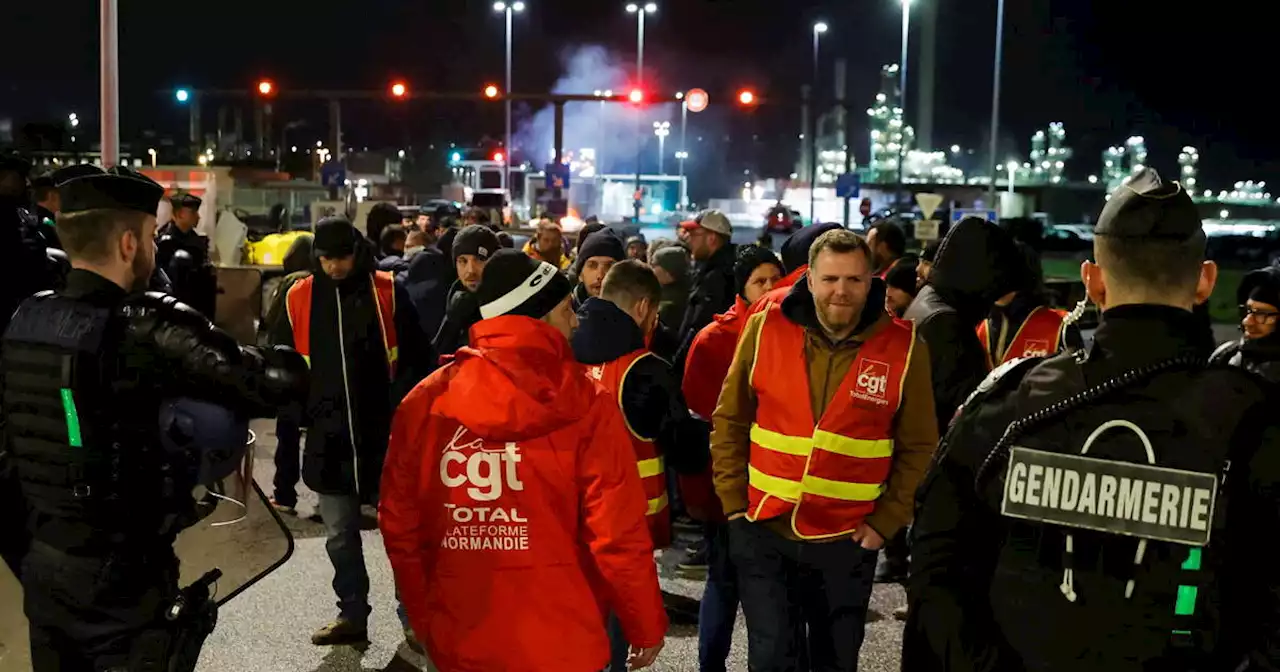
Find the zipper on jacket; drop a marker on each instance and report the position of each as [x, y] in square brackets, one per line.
[346, 393]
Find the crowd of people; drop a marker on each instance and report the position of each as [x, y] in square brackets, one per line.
[533, 424]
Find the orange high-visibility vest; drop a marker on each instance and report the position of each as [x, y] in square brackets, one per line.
[298, 304]
[612, 376]
[1038, 336]
[827, 474]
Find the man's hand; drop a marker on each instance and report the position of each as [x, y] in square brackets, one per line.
[643, 657]
[868, 538]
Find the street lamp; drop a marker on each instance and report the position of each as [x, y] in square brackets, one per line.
[684, 194]
[662, 129]
[1012, 167]
[902, 97]
[73, 119]
[818, 29]
[508, 8]
[995, 98]
[640, 12]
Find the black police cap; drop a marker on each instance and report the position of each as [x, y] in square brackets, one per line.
[116, 189]
[185, 200]
[1148, 207]
[68, 173]
[12, 161]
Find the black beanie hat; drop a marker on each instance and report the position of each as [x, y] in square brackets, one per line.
[795, 249]
[335, 237]
[902, 276]
[476, 239]
[751, 257]
[515, 284]
[1262, 285]
[445, 244]
[505, 239]
[585, 233]
[603, 243]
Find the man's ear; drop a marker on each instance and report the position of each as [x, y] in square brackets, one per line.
[1208, 279]
[1095, 285]
[127, 246]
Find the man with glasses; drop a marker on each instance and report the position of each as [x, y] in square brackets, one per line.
[1258, 348]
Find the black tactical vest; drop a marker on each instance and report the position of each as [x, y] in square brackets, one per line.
[1113, 500]
[61, 444]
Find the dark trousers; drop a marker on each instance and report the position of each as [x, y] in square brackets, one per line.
[719, 608]
[288, 455]
[343, 521]
[87, 613]
[787, 586]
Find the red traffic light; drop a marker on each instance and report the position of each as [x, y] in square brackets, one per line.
[266, 87]
[491, 91]
[499, 157]
[399, 90]
[746, 97]
[636, 96]
[696, 100]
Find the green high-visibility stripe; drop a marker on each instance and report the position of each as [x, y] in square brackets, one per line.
[1186, 604]
[1193, 560]
[73, 418]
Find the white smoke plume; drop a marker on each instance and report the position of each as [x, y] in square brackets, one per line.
[609, 128]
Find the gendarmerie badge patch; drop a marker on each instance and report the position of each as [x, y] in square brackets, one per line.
[1135, 500]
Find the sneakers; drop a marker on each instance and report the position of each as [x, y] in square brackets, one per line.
[696, 561]
[411, 639]
[340, 632]
[683, 523]
[283, 508]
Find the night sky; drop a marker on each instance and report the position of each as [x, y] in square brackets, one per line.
[1176, 74]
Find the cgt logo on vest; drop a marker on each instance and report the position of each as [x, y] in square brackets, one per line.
[486, 474]
[1035, 348]
[872, 383]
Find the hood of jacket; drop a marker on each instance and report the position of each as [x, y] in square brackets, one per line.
[737, 311]
[429, 265]
[604, 333]
[525, 371]
[976, 264]
[298, 257]
[795, 249]
[798, 307]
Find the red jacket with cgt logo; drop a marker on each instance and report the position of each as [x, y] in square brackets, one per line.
[513, 512]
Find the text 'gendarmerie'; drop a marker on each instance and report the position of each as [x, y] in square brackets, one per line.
[1116, 497]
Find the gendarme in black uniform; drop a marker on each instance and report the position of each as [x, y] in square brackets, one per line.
[1108, 510]
[89, 375]
[183, 255]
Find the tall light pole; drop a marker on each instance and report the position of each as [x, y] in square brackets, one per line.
[640, 12]
[995, 102]
[684, 147]
[818, 29]
[508, 8]
[662, 129]
[109, 69]
[902, 99]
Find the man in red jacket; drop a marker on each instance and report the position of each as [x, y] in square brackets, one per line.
[512, 509]
[756, 272]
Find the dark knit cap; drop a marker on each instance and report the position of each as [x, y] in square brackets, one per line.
[902, 276]
[751, 257]
[505, 239]
[602, 244]
[590, 228]
[795, 249]
[515, 284]
[476, 239]
[335, 238]
[930, 251]
[1262, 285]
[445, 244]
[673, 259]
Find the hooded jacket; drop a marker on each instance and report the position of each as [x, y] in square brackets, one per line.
[704, 372]
[915, 435]
[713, 289]
[565, 540]
[976, 264]
[344, 451]
[427, 281]
[297, 265]
[461, 311]
[651, 400]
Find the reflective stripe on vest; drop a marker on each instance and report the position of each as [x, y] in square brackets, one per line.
[827, 474]
[298, 308]
[1038, 336]
[650, 463]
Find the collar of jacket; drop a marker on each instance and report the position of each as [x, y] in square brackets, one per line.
[721, 259]
[605, 333]
[1140, 334]
[799, 308]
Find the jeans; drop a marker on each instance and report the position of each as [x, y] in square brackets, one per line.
[719, 608]
[342, 522]
[788, 585]
[288, 455]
